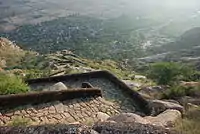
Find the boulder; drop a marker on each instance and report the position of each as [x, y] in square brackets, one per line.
[159, 106]
[187, 99]
[128, 117]
[66, 52]
[2, 63]
[191, 106]
[154, 91]
[141, 77]
[190, 84]
[53, 66]
[165, 119]
[93, 132]
[75, 123]
[58, 86]
[146, 96]
[132, 84]
[102, 116]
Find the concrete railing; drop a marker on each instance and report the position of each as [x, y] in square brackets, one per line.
[10, 101]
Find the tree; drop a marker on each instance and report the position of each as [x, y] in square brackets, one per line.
[165, 73]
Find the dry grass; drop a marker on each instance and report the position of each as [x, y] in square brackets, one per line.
[10, 53]
[190, 124]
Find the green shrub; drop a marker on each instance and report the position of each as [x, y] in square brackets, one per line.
[169, 73]
[180, 91]
[10, 84]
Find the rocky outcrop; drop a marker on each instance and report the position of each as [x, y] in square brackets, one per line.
[128, 117]
[2, 63]
[123, 123]
[141, 77]
[5, 43]
[129, 128]
[153, 91]
[165, 119]
[159, 106]
[10, 53]
[132, 84]
[102, 116]
[190, 84]
[187, 100]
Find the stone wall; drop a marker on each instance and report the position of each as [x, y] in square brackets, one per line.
[82, 110]
[112, 87]
[73, 104]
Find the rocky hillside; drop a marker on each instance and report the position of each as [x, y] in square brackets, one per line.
[185, 48]
[187, 40]
[10, 53]
[15, 13]
[53, 64]
[35, 65]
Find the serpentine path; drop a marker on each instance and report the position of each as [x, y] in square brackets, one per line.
[83, 110]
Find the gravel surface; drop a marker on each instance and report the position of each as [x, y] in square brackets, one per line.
[130, 128]
[99, 128]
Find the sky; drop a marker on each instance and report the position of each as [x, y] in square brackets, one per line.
[175, 3]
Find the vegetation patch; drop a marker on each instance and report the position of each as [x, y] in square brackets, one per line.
[36, 73]
[11, 84]
[169, 73]
[190, 124]
[180, 91]
[111, 66]
[19, 121]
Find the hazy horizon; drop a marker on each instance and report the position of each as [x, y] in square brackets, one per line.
[20, 12]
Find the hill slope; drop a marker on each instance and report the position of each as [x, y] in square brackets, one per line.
[10, 53]
[61, 62]
[186, 49]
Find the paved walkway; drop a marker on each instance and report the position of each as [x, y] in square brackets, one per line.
[77, 110]
[110, 91]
